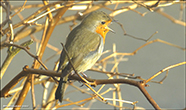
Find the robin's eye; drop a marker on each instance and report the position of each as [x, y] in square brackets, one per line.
[102, 22]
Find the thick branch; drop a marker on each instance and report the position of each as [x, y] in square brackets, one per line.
[139, 84]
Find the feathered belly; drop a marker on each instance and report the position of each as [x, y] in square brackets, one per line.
[90, 59]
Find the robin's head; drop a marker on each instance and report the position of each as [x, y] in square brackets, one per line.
[95, 17]
[98, 22]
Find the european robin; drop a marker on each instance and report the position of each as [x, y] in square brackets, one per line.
[84, 45]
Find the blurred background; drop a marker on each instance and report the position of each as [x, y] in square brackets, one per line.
[148, 60]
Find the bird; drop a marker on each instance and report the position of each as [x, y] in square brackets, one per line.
[84, 46]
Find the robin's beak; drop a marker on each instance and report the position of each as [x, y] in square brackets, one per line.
[111, 30]
[109, 22]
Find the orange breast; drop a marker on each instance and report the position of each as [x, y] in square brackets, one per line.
[103, 30]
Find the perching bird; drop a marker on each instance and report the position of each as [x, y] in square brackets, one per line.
[84, 45]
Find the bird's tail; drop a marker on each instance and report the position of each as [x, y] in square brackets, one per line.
[61, 88]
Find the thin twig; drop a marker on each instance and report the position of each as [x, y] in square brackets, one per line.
[115, 67]
[11, 55]
[21, 9]
[150, 8]
[165, 69]
[27, 51]
[135, 51]
[160, 11]
[112, 73]
[33, 93]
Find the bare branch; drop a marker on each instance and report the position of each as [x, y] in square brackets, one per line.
[165, 69]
